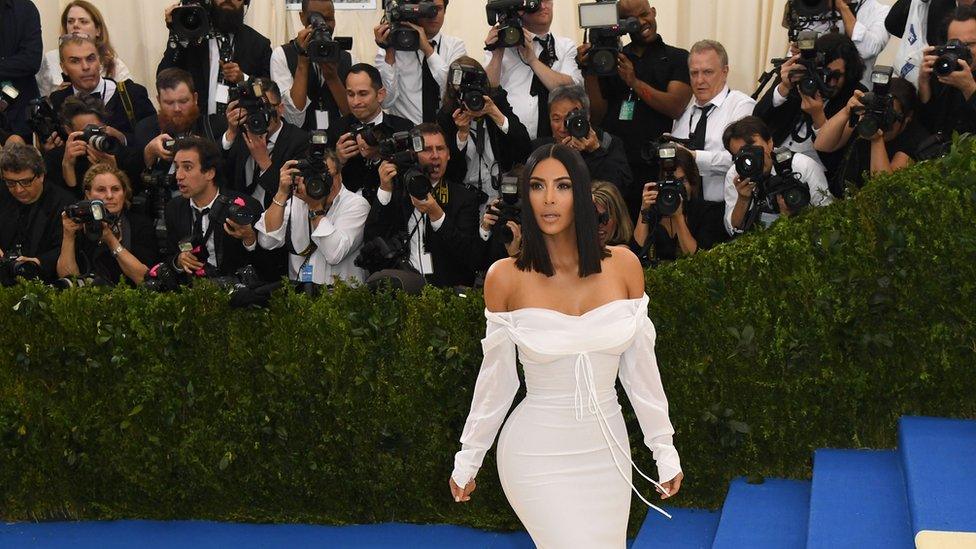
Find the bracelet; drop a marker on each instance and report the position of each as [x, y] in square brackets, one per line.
[276, 203]
[118, 250]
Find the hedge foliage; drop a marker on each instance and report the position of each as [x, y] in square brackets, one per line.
[819, 331]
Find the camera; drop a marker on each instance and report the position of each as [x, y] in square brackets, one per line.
[384, 253]
[315, 171]
[784, 182]
[95, 135]
[804, 14]
[250, 96]
[505, 14]
[238, 212]
[401, 149]
[577, 123]
[750, 161]
[322, 47]
[192, 21]
[8, 94]
[245, 278]
[371, 133]
[402, 37]
[90, 214]
[161, 278]
[815, 77]
[10, 269]
[508, 209]
[878, 110]
[471, 85]
[671, 192]
[949, 57]
[44, 121]
[604, 30]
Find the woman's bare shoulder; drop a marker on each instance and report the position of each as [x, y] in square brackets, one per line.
[499, 283]
[623, 264]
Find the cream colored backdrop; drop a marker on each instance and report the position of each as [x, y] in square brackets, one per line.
[749, 29]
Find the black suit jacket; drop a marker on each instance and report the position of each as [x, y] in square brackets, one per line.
[21, 50]
[231, 254]
[607, 163]
[36, 228]
[292, 144]
[456, 248]
[357, 175]
[138, 236]
[117, 117]
[509, 148]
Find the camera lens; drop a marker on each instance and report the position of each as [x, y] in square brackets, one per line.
[603, 62]
[577, 125]
[867, 127]
[405, 39]
[946, 64]
[474, 101]
[509, 37]
[668, 200]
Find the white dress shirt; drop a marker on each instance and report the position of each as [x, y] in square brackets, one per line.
[404, 79]
[338, 238]
[204, 225]
[216, 92]
[714, 162]
[481, 165]
[50, 77]
[285, 80]
[809, 172]
[419, 259]
[251, 164]
[105, 89]
[805, 145]
[516, 77]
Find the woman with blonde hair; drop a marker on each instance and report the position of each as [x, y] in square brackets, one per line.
[81, 17]
[614, 226]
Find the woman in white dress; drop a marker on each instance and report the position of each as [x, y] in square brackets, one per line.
[81, 17]
[576, 313]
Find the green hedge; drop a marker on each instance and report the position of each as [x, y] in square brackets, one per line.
[818, 332]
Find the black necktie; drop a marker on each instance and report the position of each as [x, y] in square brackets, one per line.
[96, 95]
[698, 138]
[479, 137]
[197, 234]
[538, 89]
[430, 91]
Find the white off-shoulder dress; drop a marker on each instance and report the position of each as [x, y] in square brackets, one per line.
[564, 456]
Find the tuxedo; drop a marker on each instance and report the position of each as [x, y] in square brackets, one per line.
[118, 118]
[358, 174]
[230, 254]
[36, 227]
[291, 144]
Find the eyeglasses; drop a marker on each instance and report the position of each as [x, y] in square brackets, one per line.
[602, 218]
[26, 182]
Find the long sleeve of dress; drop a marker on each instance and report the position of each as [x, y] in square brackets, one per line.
[642, 381]
[493, 395]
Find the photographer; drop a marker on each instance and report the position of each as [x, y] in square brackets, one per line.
[501, 227]
[415, 80]
[323, 233]
[30, 215]
[441, 228]
[126, 103]
[81, 17]
[6, 133]
[229, 53]
[489, 136]
[683, 228]
[712, 109]
[202, 236]
[123, 244]
[529, 72]
[21, 49]
[649, 92]
[751, 144]
[360, 159]
[179, 115]
[794, 117]
[90, 142]
[946, 86]
[891, 146]
[918, 23]
[313, 91]
[569, 122]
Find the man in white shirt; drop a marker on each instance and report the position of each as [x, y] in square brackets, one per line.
[323, 235]
[415, 80]
[543, 63]
[713, 107]
[739, 203]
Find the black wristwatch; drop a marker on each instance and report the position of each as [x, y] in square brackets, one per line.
[312, 214]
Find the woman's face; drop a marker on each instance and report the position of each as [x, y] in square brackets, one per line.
[604, 230]
[898, 126]
[80, 21]
[551, 196]
[679, 174]
[107, 188]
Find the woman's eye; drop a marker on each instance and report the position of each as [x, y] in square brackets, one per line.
[564, 186]
[535, 186]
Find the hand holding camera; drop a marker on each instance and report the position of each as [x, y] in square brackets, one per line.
[69, 228]
[257, 145]
[232, 72]
[347, 148]
[952, 64]
[236, 116]
[586, 144]
[244, 233]
[388, 174]
[157, 149]
[744, 187]
[75, 147]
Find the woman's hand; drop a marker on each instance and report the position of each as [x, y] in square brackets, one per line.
[672, 486]
[461, 495]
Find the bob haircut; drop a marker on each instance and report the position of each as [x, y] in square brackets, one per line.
[534, 255]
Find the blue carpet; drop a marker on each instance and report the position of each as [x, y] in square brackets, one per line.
[145, 534]
[939, 459]
[689, 529]
[770, 515]
[858, 500]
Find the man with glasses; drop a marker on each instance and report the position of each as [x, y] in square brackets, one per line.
[30, 211]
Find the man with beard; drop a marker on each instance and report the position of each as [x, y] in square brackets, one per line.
[234, 55]
[650, 90]
[314, 94]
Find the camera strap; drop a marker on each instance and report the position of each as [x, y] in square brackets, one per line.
[310, 249]
[130, 111]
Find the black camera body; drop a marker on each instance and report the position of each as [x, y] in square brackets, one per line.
[671, 192]
[402, 37]
[95, 135]
[471, 85]
[577, 123]
[44, 121]
[508, 209]
[314, 170]
[322, 47]
[250, 96]
[878, 109]
[505, 14]
[384, 253]
[949, 56]
[783, 182]
[192, 21]
[90, 214]
[162, 278]
[402, 149]
[238, 212]
[814, 79]
[11, 270]
[372, 134]
[605, 43]
[8, 94]
[750, 162]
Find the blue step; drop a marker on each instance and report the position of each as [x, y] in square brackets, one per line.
[688, 529]
[145, 534]
[771, 515]
[858, 500]
[939, 460]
